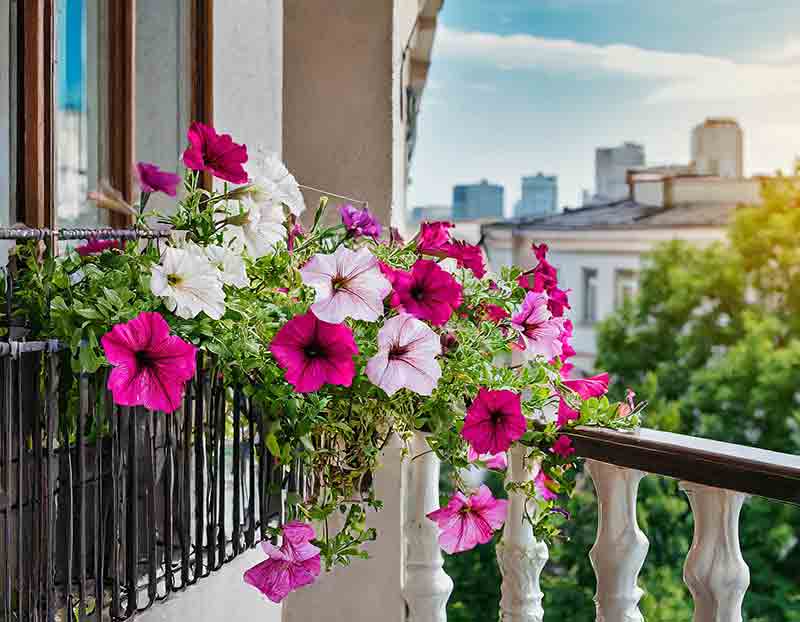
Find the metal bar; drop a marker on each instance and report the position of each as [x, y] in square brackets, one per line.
[132, 514]
[169, 580]
[186, 503]
[212, 428]
[66, 488]
[7, 464]
[237, 470]
[251, 506]
[116, 474]
[220, 421]
[199, 470]
[151, 426]
[52, 475]
[37, 507]
[100, 416]
[81, 441]
[16, 363]
[264, 475]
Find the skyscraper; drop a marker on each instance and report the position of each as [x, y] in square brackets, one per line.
[717, 146]
[611, 170]
[483, 201]
[539, 196]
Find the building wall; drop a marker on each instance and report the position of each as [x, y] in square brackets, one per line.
[477, 201]
[611, 170]
[715, 190]
[717, 148]
[539, 196]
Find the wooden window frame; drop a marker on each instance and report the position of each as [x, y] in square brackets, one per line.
[35, 72]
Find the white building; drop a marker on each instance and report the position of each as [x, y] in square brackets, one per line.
[611, 170]
[717, 148]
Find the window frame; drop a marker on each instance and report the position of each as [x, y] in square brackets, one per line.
[589, 276]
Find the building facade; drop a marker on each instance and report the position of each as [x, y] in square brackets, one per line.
[539, 196]
[718, 148]
[430, 213]
[611, 170]
[481, 201]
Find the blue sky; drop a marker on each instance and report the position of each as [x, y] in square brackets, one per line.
[521, 86]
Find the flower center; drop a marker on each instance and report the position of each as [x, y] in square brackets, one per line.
[496, 416]
[339, 282]
[143, 359]
[314, 351]
[174, 279]
[417, 293]
[396, 351]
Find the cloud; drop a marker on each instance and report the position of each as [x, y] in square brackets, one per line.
[674, 76]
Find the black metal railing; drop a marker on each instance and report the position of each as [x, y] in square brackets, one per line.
[106, 510]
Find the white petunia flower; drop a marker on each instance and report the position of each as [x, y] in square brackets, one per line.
[188, 283]
[257, 230]
[271, 182]
[348, 284]
[230, 264]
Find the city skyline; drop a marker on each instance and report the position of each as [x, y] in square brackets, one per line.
[517, 88]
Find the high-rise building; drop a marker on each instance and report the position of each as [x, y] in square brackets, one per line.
[611, 170]
[539, 196]
[717, 148]
[482, 201]
[430, 213]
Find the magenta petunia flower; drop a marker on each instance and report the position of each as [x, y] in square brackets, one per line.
[557, 301]
[563, 447]
[544, 486]
[406, 358]
[360, 222]
[153, 179]
[427, 292]
[498, 462]
[466, 522]
[433, 237]
[539, 332]
[467, 256]
[150, 366]
[315, 353]
[215, 153]
[347, 284]
[585, 388]
[567, 350]
[295, 564]
[94, 246]
[494, 420]
[544, 277]
[496, 313]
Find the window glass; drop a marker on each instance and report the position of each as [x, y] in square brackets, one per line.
[78, 111]
[625, 286]
[589, 295]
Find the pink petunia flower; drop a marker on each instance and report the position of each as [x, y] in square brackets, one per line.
[360, 222]
[295, 564]
[585, 388]
[94, 246]
[433, 237]
[215, 153]
[427, 292]
[544, 277]
[494, 420]
[469, 521]
[563, 447]
[150, 366]
[544, 486]
[347, 284]
[496, 313]
[315, 353]
[539, 331]
[628, 406]
[406, 358]
[467, 256]
[498, 462]
[153, 179]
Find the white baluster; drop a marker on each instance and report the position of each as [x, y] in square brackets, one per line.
[620, 547]
[427, 587]
[520, 556]
[715, 570]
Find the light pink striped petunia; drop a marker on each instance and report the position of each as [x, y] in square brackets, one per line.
[539, 332]
[466, 522]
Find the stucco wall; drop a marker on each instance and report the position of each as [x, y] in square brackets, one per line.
[338, 98]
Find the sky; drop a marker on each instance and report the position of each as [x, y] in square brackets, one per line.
[522, 86]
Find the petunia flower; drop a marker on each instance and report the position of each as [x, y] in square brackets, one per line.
[544, 486]
[490, 461]
[232, 270]
[563, 447]
[188, 283]
[315, 353]
[466, 522]
[495, 313]
[215, 153]
[360, 222]
[544, 277]
[628, 406]
[272, 184]
[585, 388]
[295, 564]
[467, 256]
[347, 284]
[557, 301]
[426, 292]
[494, 420]
[406, 358]
[94, 246]
[257, 230]
[150, 366]
[153, 179]
[433, 237]
[539, 331]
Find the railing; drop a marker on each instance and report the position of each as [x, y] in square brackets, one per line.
[717, 478]
[106, 510]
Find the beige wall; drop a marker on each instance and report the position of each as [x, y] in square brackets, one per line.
[679, 190]
[338, 98]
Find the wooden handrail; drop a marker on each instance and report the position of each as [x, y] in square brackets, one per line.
[744, 469]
